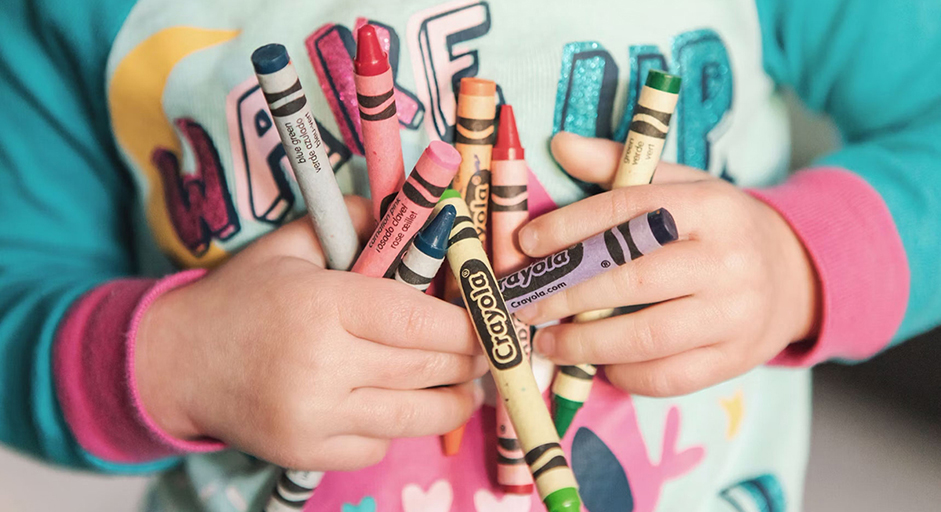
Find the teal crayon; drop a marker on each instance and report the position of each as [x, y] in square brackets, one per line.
[424, 257]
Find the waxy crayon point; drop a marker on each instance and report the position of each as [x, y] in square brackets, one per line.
[563, 500]
[663, 82]
[444, 154]
[564, 413]
[663, 226]
[449, 194]
[370, 59]
[433, 241]
[270, 58]
[508, 145]
[451, 442]
[478, 87]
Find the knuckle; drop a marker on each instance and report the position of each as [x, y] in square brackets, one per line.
[642, 339]
[416, 322]
[403, 417]
[660, 384]
[618, 205]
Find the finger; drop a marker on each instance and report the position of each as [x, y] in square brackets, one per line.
[294, 239]
[655, 332]
[384, 311]
[386, 414]
[350, 453]
[679, 374]
[404, 369]
[596, 160]
[587, 158]
[360, 210]
[297, 238]
[677, 270]
[578, 221]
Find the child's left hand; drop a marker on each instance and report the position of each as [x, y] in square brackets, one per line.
[731, 294]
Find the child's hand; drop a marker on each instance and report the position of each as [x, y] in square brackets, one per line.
[734, 291]
[308, 368]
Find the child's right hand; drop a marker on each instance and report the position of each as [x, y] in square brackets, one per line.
[308, 368]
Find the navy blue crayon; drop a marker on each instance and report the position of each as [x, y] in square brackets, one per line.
[424, 257]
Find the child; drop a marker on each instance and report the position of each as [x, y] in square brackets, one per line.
[135, 129]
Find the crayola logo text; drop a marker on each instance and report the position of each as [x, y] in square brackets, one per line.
[490, 315]
[542, 273]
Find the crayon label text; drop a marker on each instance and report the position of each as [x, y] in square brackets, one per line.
[490, 315]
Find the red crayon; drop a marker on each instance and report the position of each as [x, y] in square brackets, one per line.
[508, 213]
[375, 91]
[409, 210]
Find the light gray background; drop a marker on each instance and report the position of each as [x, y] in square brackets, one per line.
[876, 438]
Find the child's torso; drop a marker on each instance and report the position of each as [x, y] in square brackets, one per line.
[192, 126]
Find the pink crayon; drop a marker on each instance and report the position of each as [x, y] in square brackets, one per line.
[375, 91]
[409, 210]
[508, 213]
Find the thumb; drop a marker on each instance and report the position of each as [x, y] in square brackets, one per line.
[360, 210]
[298, 239]
[596, 161]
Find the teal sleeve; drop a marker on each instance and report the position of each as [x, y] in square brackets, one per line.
[873, 68]
[64, 199]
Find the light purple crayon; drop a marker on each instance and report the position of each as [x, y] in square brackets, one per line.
[584, 260]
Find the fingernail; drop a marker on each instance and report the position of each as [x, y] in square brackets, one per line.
[528, 238]
[545, 343]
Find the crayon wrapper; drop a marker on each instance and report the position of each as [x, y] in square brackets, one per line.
[646, 139]
[556, 272]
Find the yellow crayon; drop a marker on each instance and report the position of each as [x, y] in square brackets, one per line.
[642, 150]
[473, 139]
[509, 365]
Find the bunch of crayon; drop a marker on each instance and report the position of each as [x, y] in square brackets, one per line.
[407, 247]
[401, 206]
[642, 150]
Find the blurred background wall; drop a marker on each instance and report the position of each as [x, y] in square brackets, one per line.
[876, 443]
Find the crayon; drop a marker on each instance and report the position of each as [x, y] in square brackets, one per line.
[375, 90]
[293, 490]
[642, 150]
[648, 130]
[584, 260]
[408, 211]
[451, 441]
[509, 366]
[509, 211]
[307, 154]
[424, 257]
[570, 390]
[311, 164]
[473, 138]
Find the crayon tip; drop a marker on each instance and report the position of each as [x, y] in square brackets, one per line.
[508, 145]
[449, 193]
[564, 414]
[661, 81]
[370, 59]
[517, 489]
[478, 87]
[663, 226]
[433, 241]
[443, 154]
[563, 500]
[270, 58]
[451, 441]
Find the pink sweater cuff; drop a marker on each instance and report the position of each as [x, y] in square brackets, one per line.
[94, 373]
[855, 247]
